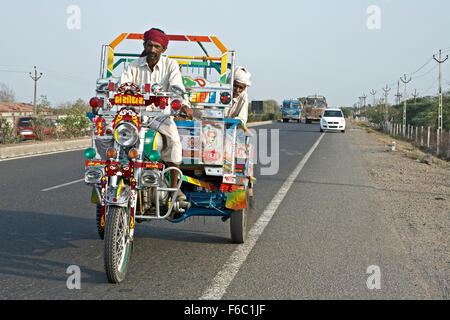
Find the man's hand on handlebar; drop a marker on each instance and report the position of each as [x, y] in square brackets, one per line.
[185, 113]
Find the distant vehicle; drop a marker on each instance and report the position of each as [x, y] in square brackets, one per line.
[314, 107]
[292, 110]
[27, 131]
[332, 119]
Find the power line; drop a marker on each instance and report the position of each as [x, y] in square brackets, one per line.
[398, 95]
[426, 91]
[424, 65]
[49, 72]
[13, 71]
[16, 65]
[426, 73]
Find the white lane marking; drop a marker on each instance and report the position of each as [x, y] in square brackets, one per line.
[41, 154]
[229, 270]
[62, 185]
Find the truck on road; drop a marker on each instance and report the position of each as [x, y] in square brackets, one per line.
[292, 110]
[314, 107]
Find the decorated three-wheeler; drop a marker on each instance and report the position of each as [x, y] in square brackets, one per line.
[130, 183]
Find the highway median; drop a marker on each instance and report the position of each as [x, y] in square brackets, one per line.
[42, 147]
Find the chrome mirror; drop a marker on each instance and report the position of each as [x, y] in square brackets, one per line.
[102, 85]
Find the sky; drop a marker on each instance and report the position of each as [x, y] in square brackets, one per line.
[293, 48]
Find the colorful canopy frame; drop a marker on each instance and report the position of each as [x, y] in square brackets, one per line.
[213, 61]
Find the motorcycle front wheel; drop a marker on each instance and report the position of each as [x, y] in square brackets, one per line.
[118, 246]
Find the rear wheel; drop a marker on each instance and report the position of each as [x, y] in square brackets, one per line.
[118, 245]
[239, 222]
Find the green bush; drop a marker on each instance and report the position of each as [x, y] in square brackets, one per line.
[348, 112]
[8, 133]
[271, 111]
[424, 112]
[75, 123]
[39, 125]
[263, 117]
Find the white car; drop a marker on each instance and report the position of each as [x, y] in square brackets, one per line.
[332, 119]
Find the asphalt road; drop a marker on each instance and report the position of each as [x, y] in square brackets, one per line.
[322, 238]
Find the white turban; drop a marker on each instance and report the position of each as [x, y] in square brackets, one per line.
[243, 76]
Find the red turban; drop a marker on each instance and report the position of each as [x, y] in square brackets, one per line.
[157, 36]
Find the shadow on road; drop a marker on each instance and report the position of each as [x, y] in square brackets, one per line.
[180, 232]
[29, 244]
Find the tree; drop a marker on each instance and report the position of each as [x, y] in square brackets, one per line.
[271, 106]
[348, 112]
[42, 104]
[376, 115]
[6, 93]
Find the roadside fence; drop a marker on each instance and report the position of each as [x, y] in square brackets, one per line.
[426, 139]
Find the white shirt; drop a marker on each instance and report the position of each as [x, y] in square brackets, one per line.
[239, 107]
[166, 73]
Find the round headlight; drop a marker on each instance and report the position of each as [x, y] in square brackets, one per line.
[126, 134]
[93, 175]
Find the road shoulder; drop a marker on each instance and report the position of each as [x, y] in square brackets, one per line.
[416, 202]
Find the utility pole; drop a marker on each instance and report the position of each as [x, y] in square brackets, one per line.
[35, 79]
[373, 93]
[440, 61]
[398, 95]
[363, 99]
[405, 81]
[358, 107]
[415, 95]
[386, 106]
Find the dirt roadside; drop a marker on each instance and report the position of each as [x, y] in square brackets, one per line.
[415, 198]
